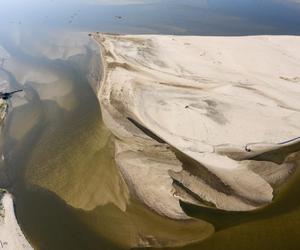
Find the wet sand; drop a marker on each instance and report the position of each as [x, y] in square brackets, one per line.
[61, 168]
[54, 143]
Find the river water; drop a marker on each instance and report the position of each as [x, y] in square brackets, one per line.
[58, 155]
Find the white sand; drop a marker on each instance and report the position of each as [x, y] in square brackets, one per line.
[11, 236]
[217, 100]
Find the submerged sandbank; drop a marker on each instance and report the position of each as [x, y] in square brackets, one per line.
[68, 192]
[190, 113]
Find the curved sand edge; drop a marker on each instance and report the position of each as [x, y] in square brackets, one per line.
[189, 112]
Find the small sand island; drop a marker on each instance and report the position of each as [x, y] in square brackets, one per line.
[192, 115]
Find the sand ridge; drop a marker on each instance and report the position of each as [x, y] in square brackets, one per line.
[189, 114]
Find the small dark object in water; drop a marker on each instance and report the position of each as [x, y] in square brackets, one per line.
[7, 95]
[118, 17]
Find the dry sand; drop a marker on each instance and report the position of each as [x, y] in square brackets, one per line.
[11, 236]
[189, 113]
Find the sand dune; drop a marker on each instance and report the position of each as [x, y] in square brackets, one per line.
[190, 113]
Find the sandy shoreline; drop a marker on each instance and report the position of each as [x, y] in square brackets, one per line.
[211, 100]
[11, 236]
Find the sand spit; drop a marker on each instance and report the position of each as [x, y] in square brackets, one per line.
[189, 114]
[11, 236]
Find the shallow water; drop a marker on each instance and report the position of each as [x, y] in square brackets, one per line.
[58, 154]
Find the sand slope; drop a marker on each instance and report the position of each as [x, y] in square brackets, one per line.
[189, 112]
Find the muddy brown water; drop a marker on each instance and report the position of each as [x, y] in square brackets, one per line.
[58, 163]
[48, 149]
[59, 155]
